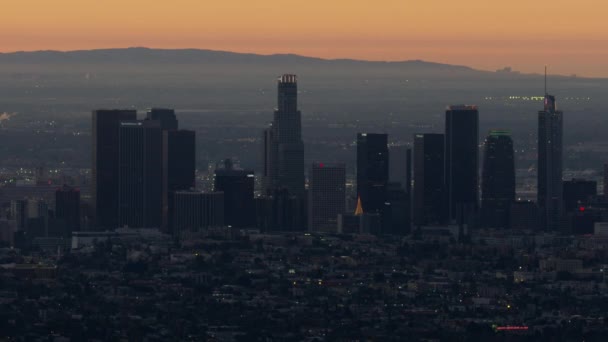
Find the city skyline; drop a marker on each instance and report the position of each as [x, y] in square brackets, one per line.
[522, 35]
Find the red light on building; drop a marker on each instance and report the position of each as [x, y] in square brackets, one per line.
[511, 328]
[581, 209]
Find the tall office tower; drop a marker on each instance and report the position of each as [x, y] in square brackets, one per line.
[550, 156]
[498, 180]
[326, 196]
[19, 213]
[284, 148]
[461, 162]
[237, 186]
[397, 170]
[67, 208]
[104, 182]
[195, 210]
[279, 211]
[178, 168]
[605, 193]
[269, 166]
[429, 191]
[396, 213]
[372, 170]
[578, 193]
[37, 218]
[140, 174]
[167, 118]
[408, 172]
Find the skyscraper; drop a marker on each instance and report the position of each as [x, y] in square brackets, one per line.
[327, 196]
[550, 155]
[237, 186]
[104, 169]
[283, 145]
[269, 165]
[498, 180]
[178, 168]
[461, 162]
[140, 174]
[372, 170]
[578, 193]
[196, 210]
[167, 118]
[67, 208]
[429, 194]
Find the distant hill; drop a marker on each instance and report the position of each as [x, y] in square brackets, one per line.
[140, 55]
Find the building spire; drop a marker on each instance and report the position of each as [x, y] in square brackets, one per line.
[359, 210]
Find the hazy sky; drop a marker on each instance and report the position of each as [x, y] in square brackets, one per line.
[570, 36]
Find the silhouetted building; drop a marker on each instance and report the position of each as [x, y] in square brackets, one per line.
[269, 165]
[372, 170]
[396, 213]
[461, 162]
[178, 168]
[498, 180]
[196, 210]
[140, 174]
[283, 146]
[281, 212]
[550, 155]
[577, 193]
[67, 208]
[167, 118]
[523, 215]
[237, 186]
[429, 191]
[104, 170]
[605, 193]
[398, 164]
[19, 213]
[327, 196]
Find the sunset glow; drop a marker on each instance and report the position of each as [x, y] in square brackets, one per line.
[569, 36]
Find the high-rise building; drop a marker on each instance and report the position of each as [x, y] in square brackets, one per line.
[326, 196]
[269, 166]
[195, 210]
[283, 145]
[104, 170]
[550, 156]
[372, 170]
[140, 174]
[396, 212]
[178, 168]
[67, 208]
[498, 180]
[167, 118]
[237, 186]
[461, 162]
[279, 211]
[19, 213]
[578, 193]
[605, 187]
[429, 191]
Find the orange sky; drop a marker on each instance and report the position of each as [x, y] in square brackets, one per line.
[569, 36]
